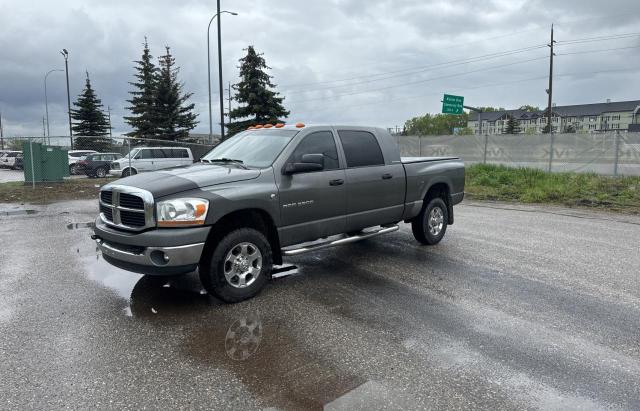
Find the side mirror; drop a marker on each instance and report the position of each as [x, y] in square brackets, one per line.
[309, 162]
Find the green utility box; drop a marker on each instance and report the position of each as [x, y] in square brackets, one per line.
[49, 163]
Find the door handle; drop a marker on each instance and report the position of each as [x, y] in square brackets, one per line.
[337, 182]
[387, 176]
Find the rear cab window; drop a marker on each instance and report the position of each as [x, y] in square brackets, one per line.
[361, 148]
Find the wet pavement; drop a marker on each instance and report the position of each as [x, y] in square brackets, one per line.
[518, 307]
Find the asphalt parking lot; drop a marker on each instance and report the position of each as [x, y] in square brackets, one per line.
[518, 308]
[7, 175]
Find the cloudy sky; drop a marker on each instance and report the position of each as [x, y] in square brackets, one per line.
[370, 62]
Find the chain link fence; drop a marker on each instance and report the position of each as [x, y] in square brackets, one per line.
[613, 153]
[46, 169]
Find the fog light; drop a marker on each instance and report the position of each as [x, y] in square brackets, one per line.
[159, 258]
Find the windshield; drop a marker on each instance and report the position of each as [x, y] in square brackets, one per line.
[254, 148]
[132, 153]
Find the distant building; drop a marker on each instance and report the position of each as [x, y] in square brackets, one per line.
[581, 118]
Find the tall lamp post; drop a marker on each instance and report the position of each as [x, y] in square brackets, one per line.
[65, 54]
[219, 72]
[46, 102]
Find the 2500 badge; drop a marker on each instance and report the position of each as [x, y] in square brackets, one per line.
[298, 204]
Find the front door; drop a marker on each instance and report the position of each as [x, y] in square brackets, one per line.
[313, 204]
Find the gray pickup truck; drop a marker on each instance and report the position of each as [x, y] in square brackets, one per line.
[271, 192]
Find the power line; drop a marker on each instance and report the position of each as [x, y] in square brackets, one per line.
[495, 84]
[424, 80]
[596, 51]
[423, 68]
[599, 38]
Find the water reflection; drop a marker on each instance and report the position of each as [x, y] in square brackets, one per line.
[243, 337]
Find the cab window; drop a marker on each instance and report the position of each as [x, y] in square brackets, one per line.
[320, 142]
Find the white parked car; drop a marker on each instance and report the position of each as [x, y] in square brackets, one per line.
[8, 159]
[143, 159]
[74, 157]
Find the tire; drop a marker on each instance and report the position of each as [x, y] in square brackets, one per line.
[101, 172]
[431, 224]
[239, 266]
[129, 172]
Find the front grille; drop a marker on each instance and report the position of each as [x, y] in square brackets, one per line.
[132, 218]
[106, 196]
[131, 201]
[107, 211]
[127, 208]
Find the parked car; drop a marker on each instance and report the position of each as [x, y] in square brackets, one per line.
[143, 159]
[74, 157]
[8, 159]
[268, 193]
[97, 165]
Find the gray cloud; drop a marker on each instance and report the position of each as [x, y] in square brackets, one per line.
[310, 45]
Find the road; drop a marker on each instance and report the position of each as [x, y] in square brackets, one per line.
[518, 308]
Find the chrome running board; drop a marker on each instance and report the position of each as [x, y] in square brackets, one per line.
[340, 241]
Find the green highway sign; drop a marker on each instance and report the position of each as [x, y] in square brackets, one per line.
[452, 104]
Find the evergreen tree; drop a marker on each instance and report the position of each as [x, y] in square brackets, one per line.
[513, 126]
[173, 117]
[143, 118]
[258, 103]
[89, 120]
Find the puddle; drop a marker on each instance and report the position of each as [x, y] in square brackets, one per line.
[7, 213]
[257, 341]
[77, 226]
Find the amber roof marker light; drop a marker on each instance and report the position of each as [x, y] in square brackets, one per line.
[279, 125]
[268, 125]
[299, 125]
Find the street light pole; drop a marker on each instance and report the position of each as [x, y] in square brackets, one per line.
[46, 102]
[65, 54]
[219, 71]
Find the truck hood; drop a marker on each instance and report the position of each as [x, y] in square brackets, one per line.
[176, 180]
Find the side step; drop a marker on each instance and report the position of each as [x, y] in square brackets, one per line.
[340, 241]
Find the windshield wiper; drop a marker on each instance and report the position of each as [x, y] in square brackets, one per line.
[227, 160]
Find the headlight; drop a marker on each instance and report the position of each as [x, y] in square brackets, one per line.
[181, 212]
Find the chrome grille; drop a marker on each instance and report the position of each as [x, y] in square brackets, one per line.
[105, 196]
[131, 201]
[126, 207]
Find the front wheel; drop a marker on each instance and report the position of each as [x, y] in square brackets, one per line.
[431, 224]
[129, 172]
[238, 267]
[101, 172]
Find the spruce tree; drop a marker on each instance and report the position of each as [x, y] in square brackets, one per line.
[143, 118]
[89, 121]
[173, 116]
[258, 103]
[513, 126]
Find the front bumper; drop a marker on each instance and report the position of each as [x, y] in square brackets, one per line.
[116, 172]
[154, 252]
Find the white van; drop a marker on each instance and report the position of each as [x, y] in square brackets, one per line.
[142, 159]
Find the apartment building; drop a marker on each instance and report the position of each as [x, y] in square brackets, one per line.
[581, 118]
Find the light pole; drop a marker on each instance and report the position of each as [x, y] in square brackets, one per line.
[46, 102]
[65, 54]
[219, 72]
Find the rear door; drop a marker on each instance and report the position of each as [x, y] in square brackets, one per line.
[375, 185]
[313, 204]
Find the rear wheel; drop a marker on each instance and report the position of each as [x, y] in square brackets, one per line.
[101, 172]
[431, 224]
[239, 266]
